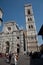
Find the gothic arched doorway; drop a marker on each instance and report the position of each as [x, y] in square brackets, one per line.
[7, 46]
[18, 48]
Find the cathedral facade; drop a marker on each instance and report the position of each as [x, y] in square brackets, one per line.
[15, 40]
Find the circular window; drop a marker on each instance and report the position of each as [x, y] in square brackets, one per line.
[9, 28]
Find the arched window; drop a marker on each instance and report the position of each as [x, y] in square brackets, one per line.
[7, 42]
[31, 26]
[7, 46]
[30, 19]
[18, 48]
[28, 11]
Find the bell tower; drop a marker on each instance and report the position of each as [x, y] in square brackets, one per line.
[1, 14]
[31, 29]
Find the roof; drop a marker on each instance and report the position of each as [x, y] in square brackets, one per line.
[26, 5]
[41, 31]
[9, 22]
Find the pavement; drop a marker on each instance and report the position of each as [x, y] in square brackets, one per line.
[27, 60]
[2, 62]
[24, 60]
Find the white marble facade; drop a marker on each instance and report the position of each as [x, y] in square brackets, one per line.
[32, 41]
[14, 40]
[12, 36]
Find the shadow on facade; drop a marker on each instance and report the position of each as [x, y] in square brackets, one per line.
[36, 61]
[7, 46]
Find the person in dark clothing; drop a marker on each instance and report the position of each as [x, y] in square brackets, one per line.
[10, 57]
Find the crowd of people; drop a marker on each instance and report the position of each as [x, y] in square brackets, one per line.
[11, 58]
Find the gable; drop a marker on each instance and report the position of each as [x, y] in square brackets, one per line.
[10, 27]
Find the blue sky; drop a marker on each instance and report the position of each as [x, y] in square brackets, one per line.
[14, 10]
